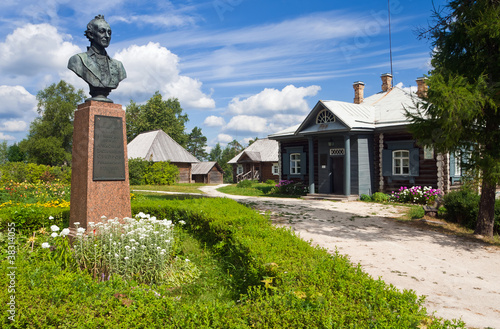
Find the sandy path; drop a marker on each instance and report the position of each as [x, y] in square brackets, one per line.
[460, 277]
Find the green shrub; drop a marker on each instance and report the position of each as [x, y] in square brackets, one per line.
[380, 197]
[365, 197]
[137, 168]
[142, 172]
[32, 173]
[289, 187]
[161, 173]
[29, 218]
[462, 207]
[270, 182]
[416, 212]
[246, 183]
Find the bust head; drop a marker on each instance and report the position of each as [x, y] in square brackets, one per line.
[98, 32]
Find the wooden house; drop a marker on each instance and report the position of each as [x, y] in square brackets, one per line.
[258, 161]
[158, 146]
[363, 147]
[209, 172]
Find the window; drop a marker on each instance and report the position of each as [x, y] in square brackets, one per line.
[275, 169]
[239, 169]
[401, 162]
[325, 116]
[295, 163]
[458, 164]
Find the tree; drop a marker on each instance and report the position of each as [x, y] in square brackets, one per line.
[4, 152]
[215, 153]
[14, 153]
[461, 110]
[157, 114]
[50, 137]
[250, 142]
[197, 143]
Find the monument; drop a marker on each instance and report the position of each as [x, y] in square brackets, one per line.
[99, 180]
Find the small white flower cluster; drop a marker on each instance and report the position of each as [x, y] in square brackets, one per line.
[123, 247]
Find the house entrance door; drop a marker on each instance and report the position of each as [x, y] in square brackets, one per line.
[337, 175]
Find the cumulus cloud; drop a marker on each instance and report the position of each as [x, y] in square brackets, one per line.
[410, 89]
[224, 138]
[153, 67]
[34, 49]
[289, 100]
[252, 124]
[4, 137]
[13, 125]
[214, 121]
[16, 103]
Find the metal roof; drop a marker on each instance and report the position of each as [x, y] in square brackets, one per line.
[158, 146]
[203, 168]
[384, 109]
[262, 150]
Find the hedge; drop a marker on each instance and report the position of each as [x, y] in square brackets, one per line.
[283, 282]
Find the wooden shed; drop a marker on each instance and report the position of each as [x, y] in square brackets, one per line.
[158, 146]
[207, 172]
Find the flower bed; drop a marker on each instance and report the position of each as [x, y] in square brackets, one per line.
[416, 195]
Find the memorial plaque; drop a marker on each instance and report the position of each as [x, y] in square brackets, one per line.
[109, 155]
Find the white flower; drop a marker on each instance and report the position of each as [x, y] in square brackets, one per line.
[54, 235]
[45, 245]
[65, 232]
[54, 228]
[80, 230]
[116, 255]
[187, 260]
[51, 218]
[126, 258]
[182, 222]
[91, 224]
[127, 247]
[133, 248]
[76, 223]
[104, 217]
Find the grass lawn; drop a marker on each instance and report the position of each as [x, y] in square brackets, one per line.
[179, 188]
[256, 189]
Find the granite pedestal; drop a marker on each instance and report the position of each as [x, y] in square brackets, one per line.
[99, 179]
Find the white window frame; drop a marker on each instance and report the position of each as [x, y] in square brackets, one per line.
[239, 169]
[398, 163]
[295, 164]
[458, 164]
[276, 169]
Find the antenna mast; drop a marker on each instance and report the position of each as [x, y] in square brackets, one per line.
[390, 38]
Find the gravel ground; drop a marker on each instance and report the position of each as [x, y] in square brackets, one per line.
[460, 277]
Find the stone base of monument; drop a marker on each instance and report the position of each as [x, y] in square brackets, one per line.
[99, 179]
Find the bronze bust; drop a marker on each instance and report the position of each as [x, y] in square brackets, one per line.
[95, 67]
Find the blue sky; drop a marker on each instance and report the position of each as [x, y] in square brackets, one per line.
[241, 69]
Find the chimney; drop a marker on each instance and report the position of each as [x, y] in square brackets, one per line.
[386, 81]
[422, 87]
[358, 86]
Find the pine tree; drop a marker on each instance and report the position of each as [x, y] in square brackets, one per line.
[197, 143]
[461, 110]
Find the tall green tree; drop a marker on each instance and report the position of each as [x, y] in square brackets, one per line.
[14, 153]
[50, 137]
[197, 143]
[157, 113]
[215, 153]
[4, 152]
[461, 110]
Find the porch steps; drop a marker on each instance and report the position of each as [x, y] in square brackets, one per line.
[331, 197]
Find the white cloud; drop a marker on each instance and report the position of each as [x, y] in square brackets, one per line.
[252, 124]
[17, 103]
[224, 138]
[214, 121]
[411, 89]
[34, 49]
[289, 100]
[4, 137]
[152, 67]
[13, 125]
